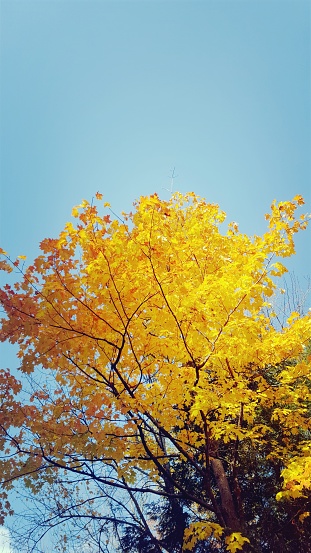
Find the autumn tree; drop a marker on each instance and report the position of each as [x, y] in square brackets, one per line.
[166, 381]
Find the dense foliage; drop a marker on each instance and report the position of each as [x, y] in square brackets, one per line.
[167, 410]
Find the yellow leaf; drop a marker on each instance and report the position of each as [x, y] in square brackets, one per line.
[304, 515]
[235, 541]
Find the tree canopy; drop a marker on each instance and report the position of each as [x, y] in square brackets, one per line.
[167, 406]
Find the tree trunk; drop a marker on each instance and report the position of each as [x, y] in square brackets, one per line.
[227, 506]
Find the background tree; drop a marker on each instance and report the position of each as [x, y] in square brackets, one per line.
[165, 380]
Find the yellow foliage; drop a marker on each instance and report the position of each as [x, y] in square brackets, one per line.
[235, 542]
[159, 326]
[303, 516]
[200, 531]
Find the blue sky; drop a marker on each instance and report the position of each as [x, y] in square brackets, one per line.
[112, 95]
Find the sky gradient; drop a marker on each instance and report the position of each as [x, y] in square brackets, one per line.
[110, 96]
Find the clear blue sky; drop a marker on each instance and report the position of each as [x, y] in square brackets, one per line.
[112, 95]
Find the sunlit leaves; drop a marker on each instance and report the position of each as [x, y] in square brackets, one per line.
[199, 531]
[158, 331]
[235, 542]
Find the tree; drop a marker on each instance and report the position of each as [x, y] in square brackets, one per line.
[165, 378]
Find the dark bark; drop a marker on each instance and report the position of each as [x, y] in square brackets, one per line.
[227, 506]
